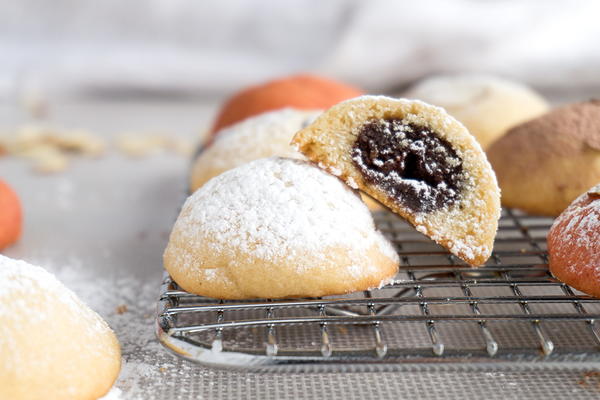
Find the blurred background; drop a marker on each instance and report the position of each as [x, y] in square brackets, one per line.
[207, 49]
[102, 104]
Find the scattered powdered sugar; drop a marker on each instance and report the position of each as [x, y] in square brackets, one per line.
[278, 208]
[331, 169]
[351, 182]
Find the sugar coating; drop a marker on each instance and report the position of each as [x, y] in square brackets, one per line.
[33, 299]
[267, 134]
[277, 208]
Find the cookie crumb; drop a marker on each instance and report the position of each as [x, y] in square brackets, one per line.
[50, 149]
[343, 330]
[139, 145]
[590, 379]
[46, 159]
[181, 146]
[122, 309]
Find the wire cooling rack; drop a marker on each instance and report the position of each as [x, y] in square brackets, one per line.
[438, 311]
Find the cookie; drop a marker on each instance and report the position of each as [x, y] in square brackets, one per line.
[574, 244]
[303, 92]
[52, 346]
[544, 164]
[488, 106]
[265, 135]
[11, 219]
[277, 228]
[418, 161]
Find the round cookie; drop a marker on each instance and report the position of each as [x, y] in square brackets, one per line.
[265, 135]
[574, 244]
[277, 228]
[52, 346]
[488, 106]
[304, 92]
[544, 164]
[11, 219]
[418, 161]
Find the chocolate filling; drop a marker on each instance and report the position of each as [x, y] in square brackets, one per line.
[411, 163]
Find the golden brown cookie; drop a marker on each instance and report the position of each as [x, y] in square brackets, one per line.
[574, 244]
[418, 161]
[544, 164]
[52, 346]
[488, 106]
[277, 228]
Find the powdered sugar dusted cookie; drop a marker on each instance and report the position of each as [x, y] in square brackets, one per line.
[276, 228]
[264, 135]
[574, 244]
[418, 161]
[52, 346]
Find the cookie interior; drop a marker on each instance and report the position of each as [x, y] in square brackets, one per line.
[414, 165]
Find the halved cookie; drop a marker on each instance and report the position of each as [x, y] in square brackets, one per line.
[418, 161]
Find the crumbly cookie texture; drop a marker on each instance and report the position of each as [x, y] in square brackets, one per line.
[574, 243]
[546, 163]
[265, 135]
[487, 105]
[277, 228]
[418, 161]
[52, 346]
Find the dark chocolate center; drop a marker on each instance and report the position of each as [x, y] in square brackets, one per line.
[413, 164]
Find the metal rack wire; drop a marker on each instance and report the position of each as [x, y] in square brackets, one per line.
[438, 310]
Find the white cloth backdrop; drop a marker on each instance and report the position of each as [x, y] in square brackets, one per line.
[113, 47]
